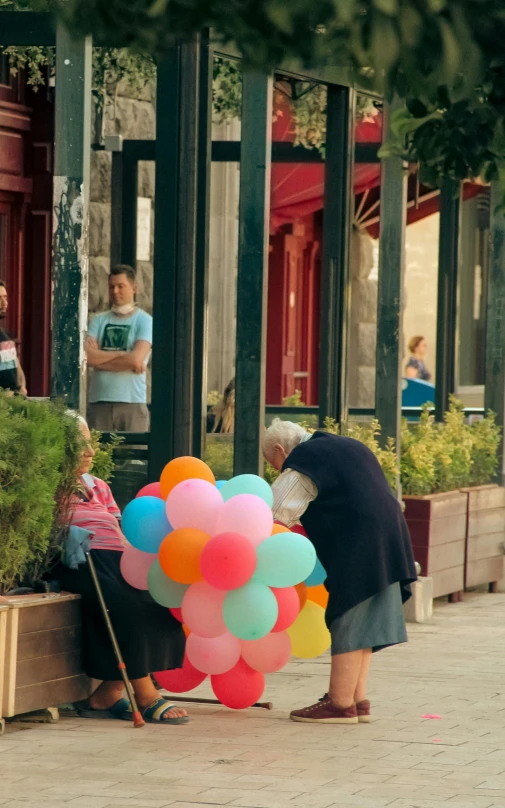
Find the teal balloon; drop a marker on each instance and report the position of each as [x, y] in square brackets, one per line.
[317, 576]
[220, 484]
[162, 589]
[248, 484]
[251, 611]
[285, 559]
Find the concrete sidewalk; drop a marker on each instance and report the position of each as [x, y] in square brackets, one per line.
[454, 667]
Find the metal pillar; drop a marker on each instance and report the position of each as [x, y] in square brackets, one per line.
[129, 191]
[254, 216]
[336, 244]
[175, 217]
[202, 245]
[448, 266]
[393, 219]
[70, 217]
[495, 322]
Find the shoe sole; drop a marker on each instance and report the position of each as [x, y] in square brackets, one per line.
[323, 720]
[365, 719]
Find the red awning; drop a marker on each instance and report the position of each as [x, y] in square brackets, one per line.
[298, 188]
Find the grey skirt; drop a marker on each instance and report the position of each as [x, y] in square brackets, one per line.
[376, 623]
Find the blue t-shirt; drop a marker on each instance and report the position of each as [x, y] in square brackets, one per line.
[115, 333]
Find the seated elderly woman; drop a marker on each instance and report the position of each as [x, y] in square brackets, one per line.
[336, 488]
[149, 637]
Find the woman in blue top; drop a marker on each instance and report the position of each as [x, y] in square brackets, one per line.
[415, 368]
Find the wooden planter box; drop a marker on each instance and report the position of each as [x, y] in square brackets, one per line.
[437, 525]
[485, 536]
[42, 659]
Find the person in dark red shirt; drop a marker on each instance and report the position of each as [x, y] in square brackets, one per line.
[11, 373]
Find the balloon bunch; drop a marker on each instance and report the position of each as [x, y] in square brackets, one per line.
[210, 552]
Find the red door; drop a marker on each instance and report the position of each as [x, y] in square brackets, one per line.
[293, 313]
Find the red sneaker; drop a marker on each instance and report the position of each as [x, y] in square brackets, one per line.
[326, 712]
[363, 710]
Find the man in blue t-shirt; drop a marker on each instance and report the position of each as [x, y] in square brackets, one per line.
[118, 348]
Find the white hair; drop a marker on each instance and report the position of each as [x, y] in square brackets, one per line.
[82, 421]
[286, 434]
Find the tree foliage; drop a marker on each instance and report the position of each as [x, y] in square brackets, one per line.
[444, 57]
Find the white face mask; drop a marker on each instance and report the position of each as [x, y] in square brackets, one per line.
[125, 308]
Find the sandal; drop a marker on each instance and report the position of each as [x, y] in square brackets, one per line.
[155, 713]
[84, 709]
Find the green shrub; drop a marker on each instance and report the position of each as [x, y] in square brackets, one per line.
[40, 448]
[103, 464]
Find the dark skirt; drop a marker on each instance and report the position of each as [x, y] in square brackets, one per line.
[149, 636]
[375, 623]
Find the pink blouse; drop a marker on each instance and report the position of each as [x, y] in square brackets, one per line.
[97, 512]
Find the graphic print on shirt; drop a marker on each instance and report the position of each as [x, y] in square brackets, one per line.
[8, 362]
[115, 337]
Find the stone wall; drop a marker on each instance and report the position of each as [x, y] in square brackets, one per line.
[133, 118]
[363, 321]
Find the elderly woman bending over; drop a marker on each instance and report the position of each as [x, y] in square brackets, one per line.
[149, 637]
[336, 488]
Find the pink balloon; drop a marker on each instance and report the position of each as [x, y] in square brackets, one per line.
[228, 561]
[180, 680]
[151, 490]
[248, 515]
[213, 655]
[269, 654]
[202, 610]
[239, 688]
[177, 613]
[194, 503]
[288, 602]
[135, 565]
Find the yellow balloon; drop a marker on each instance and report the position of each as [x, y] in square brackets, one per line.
[309, 635]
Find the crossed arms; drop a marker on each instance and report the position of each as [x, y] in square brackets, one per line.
[118, 361]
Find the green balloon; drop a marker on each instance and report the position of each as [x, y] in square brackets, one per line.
[162, 589]
[248, 484]
[285, 559]
[251, 611]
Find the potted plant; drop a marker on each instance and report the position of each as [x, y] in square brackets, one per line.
[40, 631]
[435, 463]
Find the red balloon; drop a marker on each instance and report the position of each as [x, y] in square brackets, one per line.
[239, 687]
[180, 680]
[177, 613]
[288, 602]
[299, 529]
[151, 490]
[228, 561]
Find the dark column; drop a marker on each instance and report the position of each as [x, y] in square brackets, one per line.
[495, 321]
[128, 210]
[393, 219]
[338, 195]
[70, 231]
[254, 216]
[202, 244]
[175, 219]
[447, 299]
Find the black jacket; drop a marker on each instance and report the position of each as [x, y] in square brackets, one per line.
[355, 523]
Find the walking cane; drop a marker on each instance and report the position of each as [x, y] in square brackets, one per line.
[138, 721]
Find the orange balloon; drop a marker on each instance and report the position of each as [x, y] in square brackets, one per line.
[302, 594]
[179, 554]
[184, 468]
[186, 630]
[279, 529]
[318, 594]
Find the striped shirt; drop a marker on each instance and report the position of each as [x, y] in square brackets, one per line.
[95, 510]
[293, 492]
